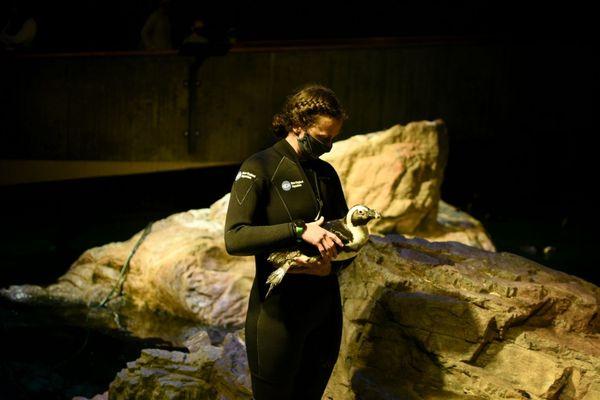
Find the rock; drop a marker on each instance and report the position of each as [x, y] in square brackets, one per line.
[100, 396]
[181, 268]
[208, 372]
[435, 320]
[399, 172]
[231, 375]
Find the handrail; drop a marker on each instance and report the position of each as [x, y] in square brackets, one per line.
[256, 46]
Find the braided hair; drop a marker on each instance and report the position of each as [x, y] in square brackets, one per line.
[302, 108]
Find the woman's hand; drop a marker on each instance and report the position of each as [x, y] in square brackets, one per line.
[326, 242]
[321, 267]
[323, 239]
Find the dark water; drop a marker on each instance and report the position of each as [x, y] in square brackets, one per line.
[53, 353]
[48, 353]
[57, 353]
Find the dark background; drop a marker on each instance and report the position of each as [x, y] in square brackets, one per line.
[112, 24]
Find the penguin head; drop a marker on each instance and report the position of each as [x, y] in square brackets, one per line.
[359, 215]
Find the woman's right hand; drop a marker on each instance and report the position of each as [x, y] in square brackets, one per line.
[321, 266]
[323, 239]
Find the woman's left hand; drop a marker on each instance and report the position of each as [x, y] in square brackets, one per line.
[321, 267]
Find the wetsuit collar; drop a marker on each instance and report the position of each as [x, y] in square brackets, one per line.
[285, 148]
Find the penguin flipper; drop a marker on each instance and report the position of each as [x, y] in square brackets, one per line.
[337, 226]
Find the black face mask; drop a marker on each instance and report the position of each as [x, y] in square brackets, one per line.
[312, 147]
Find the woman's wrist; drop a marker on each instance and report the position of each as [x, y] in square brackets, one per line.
[298, 227]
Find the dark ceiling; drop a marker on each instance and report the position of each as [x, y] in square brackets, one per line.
[113, 24]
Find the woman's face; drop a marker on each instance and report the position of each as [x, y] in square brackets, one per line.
[324, 129]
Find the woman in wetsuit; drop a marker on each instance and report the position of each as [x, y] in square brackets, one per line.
[280, 197]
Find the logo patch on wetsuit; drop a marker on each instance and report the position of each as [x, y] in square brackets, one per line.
[287, 185]
[244, 174]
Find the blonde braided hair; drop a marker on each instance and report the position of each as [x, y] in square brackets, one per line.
[302, 108]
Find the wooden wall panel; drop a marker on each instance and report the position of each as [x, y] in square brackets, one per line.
[135, 108]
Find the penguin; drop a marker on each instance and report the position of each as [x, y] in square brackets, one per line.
[351, 229]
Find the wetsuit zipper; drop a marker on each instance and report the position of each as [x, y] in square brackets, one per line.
[318, 194]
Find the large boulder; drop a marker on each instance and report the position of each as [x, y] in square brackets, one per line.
[441, 320]
[399, 172]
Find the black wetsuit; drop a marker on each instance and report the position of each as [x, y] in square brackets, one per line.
[293, 337]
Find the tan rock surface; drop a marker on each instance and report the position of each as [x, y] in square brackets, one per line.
[207, 371]
[427, 320]
[399, 172]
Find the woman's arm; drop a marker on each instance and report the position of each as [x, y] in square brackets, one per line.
[242, 236]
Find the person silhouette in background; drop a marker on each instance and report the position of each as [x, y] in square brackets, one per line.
[156, 32]
[198, 34]
[197, 42]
